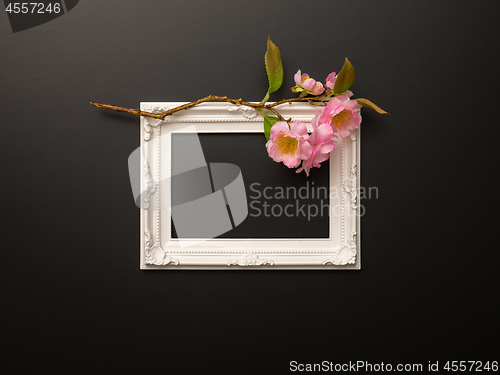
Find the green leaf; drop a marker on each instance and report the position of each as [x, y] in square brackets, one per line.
[266, 98]
[369, 104]
[345, 78]
[269, 121]
[274, 67]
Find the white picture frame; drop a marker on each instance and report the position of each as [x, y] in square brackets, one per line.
[341, 251]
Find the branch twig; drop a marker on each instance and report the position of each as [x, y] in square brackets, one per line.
[161, 116]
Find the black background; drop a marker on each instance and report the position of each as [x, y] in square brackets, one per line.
[300, 212]
[73, 296]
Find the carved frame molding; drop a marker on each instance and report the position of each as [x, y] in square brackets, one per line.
[160, 252]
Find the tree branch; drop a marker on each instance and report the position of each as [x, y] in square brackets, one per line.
[161, 116]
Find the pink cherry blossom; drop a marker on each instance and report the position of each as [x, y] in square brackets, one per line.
[330, 80]
[342, 114]
[330, 83]
[308, 84]
[288, 143]
[322, 143]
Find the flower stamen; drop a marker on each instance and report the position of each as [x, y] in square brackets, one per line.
[341, 119]
[287, 145]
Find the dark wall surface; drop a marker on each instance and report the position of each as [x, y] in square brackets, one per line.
[72, 294]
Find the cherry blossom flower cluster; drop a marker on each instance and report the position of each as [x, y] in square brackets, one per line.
[288, 142]
[294, 146]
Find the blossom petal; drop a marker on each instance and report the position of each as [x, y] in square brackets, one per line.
[319, 158]
[324, 118]
[309, 84]
[334, 107]
[343, 132]
[323, 133]
[327, 147]
[330, 80]
[352, 104]
[299, 128]
[345, 96]
[279, 127]
[318, 89]
[273, 152]
[315, 120]
[291, 161]
[305, 167]
[305, 150]
[298, 78]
